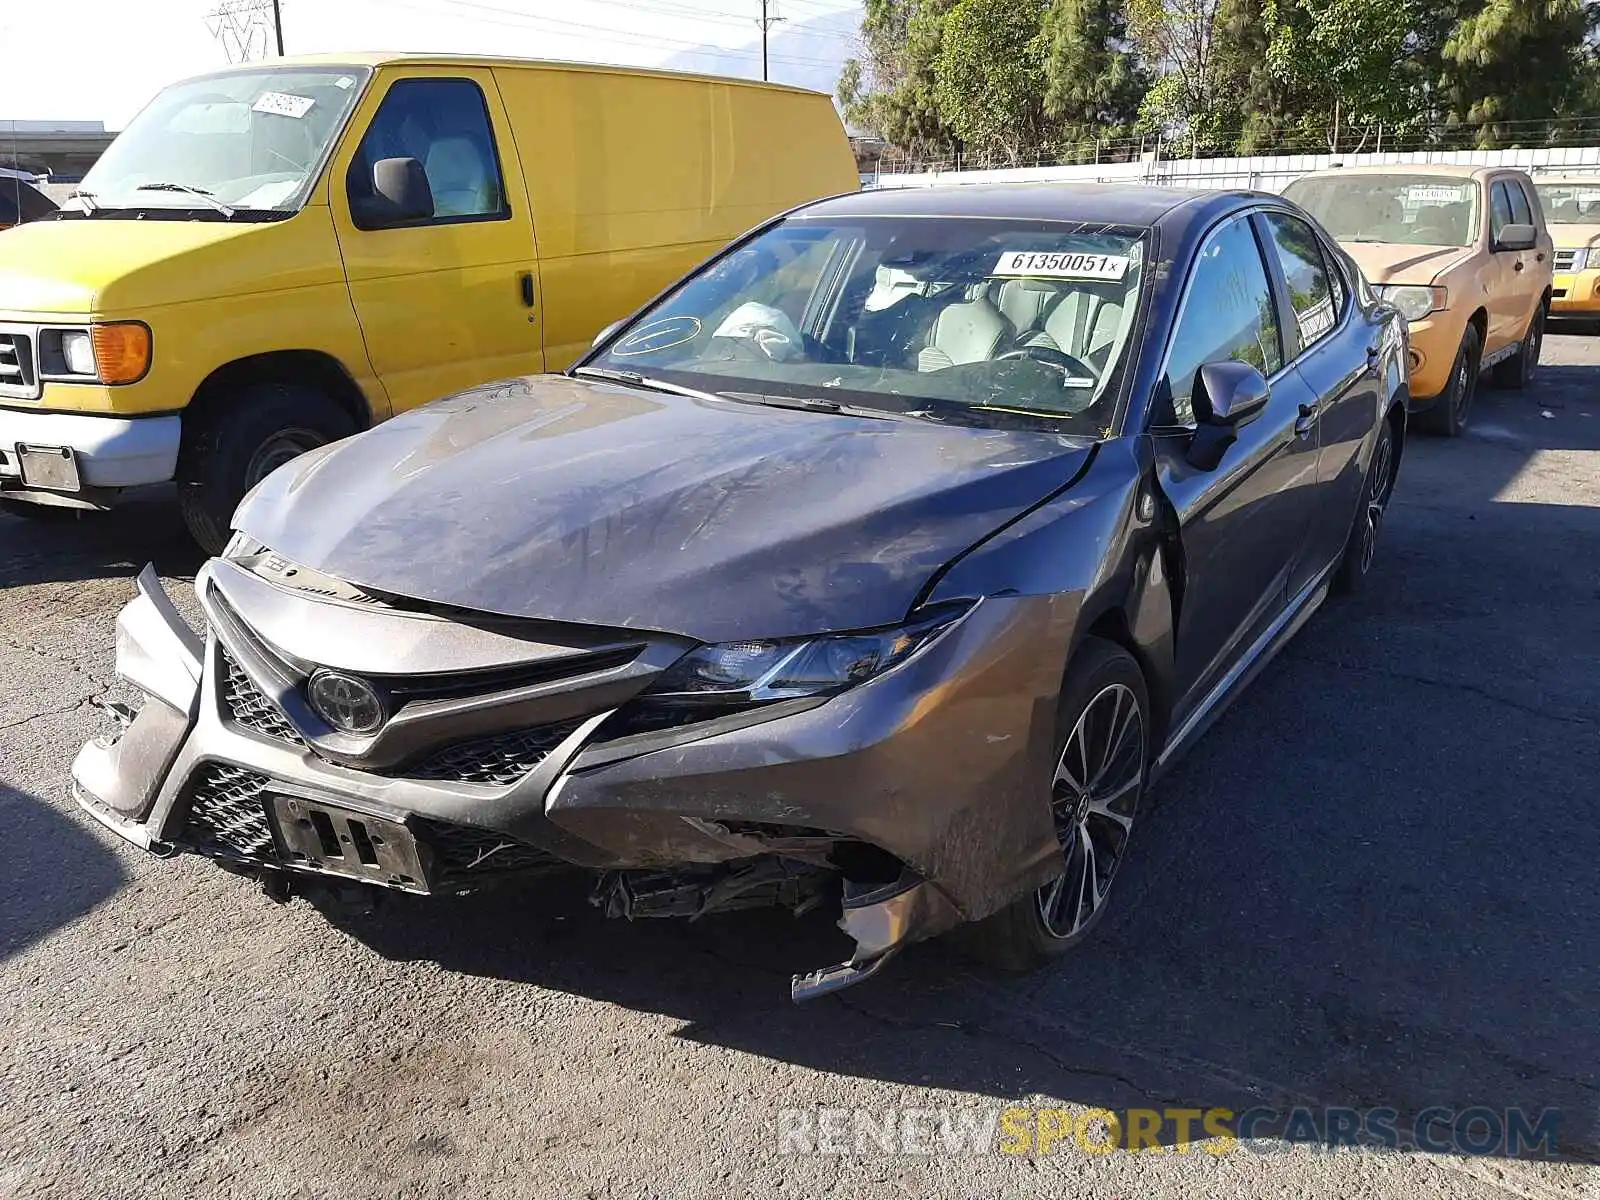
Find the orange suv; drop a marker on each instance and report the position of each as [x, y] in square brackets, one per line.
[1463, 253]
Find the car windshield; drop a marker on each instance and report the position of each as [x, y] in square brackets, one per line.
[1406, 210]
[251, 141]
[980, 321]
[1570, 203]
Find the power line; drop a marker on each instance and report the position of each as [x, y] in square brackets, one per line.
[766, 24]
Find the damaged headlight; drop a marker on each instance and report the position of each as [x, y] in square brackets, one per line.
[759, 672]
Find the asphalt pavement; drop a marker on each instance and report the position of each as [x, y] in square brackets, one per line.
[1375, 884]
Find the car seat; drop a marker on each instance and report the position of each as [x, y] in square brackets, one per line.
[460, 179]
[1025, 303]
[968, 331]
[1085, 323]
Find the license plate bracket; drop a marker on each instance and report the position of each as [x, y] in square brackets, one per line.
[50, 468]
[335, 841]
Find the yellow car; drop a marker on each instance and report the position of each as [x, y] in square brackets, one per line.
[1463, 253]
[1572, 207]
[275, 256]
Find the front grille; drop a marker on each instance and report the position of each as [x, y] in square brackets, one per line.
[462, 852]
[1564, 259]
[227, 812]
[17, 372]
[502, 759]
[248, 708]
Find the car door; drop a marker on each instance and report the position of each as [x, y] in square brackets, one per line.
[1532, 268]
[1505, 274]
[447, 301]
[1243, 524]
[1337, 352]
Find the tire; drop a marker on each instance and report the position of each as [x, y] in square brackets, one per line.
[1517, 371]
[1095, 698]
[1376, 490]
[231, 446]
[1453, 408]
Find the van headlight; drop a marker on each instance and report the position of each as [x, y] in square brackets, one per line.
[115, 352]
[77, 352]
[1414, 301]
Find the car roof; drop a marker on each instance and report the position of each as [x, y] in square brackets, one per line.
[374, 59]
[1107, 203]
[1445, 170]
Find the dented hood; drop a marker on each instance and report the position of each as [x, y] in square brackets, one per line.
[575, 500]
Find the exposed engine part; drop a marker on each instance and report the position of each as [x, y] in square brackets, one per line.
[695, 891]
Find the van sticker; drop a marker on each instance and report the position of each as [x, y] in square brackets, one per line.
[1061, 265]
[657, 336]
[282, 104]
[1433, 194]
[344, 83]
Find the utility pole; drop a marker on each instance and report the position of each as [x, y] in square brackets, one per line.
[277, 24]
[766, 22]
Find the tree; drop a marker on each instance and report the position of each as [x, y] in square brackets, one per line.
[890, 90]
[1179, 39]
[991, 78]
[1516, 61]
[1093, 82]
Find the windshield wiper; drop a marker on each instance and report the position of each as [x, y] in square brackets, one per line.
[208, 197]
[635, 379]
[813, 404]
[89, 202]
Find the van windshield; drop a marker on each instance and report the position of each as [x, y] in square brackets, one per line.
[1570, 203]
[981, 322]
[1403, 210]
[249, 141]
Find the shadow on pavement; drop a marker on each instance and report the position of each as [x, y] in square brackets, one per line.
[144, 528]
[52, 870]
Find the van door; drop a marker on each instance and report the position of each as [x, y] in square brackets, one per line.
[1505, 274]
[446, 299]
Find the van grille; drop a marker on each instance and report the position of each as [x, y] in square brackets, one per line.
[18, 374]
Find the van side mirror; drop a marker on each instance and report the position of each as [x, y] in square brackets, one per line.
[606, 334]
[400, 195]
[1227, 396]
[1517, 237]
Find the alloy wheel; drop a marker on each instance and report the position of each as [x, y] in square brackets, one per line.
[281, 447]
[1377, 500]
[1095, 796]
[1462, 399]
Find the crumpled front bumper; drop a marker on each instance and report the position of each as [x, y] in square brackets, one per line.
[938, 762]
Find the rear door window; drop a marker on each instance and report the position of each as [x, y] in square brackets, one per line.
[1499, 210]
[1299, 254]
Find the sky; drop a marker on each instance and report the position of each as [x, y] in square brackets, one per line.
[101, 60]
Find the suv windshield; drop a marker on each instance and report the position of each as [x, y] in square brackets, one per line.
[1570, 203]
[981, 321]
[1406, 210]
[251, 141]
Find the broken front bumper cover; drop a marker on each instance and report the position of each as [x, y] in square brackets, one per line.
[922, 819]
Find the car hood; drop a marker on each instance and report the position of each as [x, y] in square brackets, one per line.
[1390, 262]
[573, 500]
[123, 267]
[1575, 236]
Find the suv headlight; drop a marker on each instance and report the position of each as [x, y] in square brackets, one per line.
[1414, 301]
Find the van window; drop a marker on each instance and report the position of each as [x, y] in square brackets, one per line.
[444, 125]
[1499, 210]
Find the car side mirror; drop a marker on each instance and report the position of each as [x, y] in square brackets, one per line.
[400, 195]
[1517, 237]
[1227, 396]
[606, 334]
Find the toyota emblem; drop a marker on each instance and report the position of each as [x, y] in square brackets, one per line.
[349, 704]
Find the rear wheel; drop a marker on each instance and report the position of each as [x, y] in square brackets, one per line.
[1362, 546]
[1517, 371]
[233, 445]
[1101, 754]
[1450, 411]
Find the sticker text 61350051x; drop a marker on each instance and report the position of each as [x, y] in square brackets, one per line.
[1061, 265]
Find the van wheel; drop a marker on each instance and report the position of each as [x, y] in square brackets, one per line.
[1517, 371]
[1450, 411]
[1102, 751]
[233, 445]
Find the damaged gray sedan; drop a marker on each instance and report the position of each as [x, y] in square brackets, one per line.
[882, 564]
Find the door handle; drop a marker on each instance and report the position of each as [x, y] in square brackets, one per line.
[1307, 421]
[1518, 265]
[1372, 359]
[526, 282]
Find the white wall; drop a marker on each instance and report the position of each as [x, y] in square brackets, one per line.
[1266, 172]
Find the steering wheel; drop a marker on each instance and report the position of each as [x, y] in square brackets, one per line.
[1050, 356]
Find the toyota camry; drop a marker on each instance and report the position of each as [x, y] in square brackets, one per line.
[881, 564]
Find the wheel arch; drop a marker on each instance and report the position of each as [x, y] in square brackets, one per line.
[311, 368]
[1479, 320]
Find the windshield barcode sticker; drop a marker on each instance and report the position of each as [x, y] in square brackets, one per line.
[1061, 265]
[282, 104]
[1423, 194]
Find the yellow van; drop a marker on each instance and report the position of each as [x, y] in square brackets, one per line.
[277, 255]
